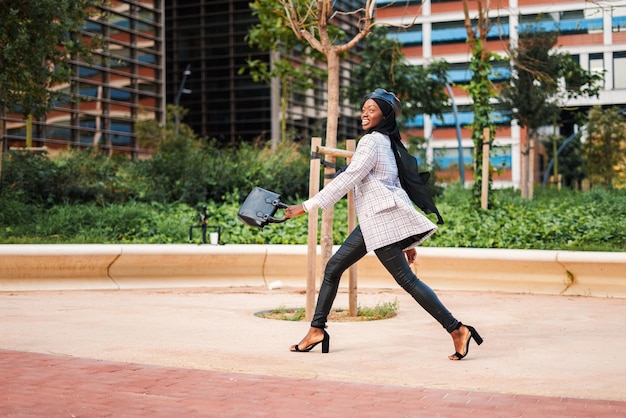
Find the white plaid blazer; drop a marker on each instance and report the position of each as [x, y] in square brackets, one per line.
[385, 212]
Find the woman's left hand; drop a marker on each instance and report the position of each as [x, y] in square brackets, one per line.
[411, 254]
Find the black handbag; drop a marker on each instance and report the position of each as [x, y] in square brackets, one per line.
[259, 208]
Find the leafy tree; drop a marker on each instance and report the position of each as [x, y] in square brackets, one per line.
[38, 40]
[605, 148]
[273, 34]
[316, 23]
[535, 95]
[569, 163]
[421, 88]
[480, 89]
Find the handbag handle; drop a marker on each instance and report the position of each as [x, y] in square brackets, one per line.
[271, 219]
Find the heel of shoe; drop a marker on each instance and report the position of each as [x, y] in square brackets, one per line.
[326, 343]
[475, 335]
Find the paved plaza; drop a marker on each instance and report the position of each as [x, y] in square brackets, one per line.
[203, 353]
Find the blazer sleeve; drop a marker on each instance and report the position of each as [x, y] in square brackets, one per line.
[361, 164]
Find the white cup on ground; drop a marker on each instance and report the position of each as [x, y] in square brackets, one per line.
[275, 285]
[213, 238]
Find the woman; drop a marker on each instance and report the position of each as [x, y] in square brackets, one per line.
[389, 225]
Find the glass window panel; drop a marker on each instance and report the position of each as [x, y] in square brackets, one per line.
[89, 73]
[121, 132]
[448, 158]
[148, 87]
[119, 20]
[596, 63]
[146, 57]
[119, 51]
[500, 158]
[146, 28]
[87, 132]
[619, 71]
[93, 27]
[120, 95]
[65, 97]
[448, 32]
[149, 4]
[88, 90]
[619, 19]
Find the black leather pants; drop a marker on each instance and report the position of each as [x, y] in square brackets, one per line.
[394, 260]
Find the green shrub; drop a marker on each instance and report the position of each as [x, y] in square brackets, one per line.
[191, 173]
[91, 176]
[29, 177]
[185, 170]
[591, 221]
[85, 197]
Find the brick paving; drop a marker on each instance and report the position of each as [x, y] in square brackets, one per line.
[45, 385]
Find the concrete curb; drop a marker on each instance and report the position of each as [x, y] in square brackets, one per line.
[95, 266]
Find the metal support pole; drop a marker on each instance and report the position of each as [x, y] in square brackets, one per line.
[181, 90]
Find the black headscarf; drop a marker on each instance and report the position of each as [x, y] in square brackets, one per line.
[412, 181]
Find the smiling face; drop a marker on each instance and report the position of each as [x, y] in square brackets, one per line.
[371, 115]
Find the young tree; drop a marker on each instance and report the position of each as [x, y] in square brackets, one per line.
[605, 148]
[542, 80]
[568, 164]
[312, 22]
[292, 71]
[421, 88]
[480, 89]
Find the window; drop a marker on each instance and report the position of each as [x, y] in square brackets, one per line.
[596, 63]
[567, 23]
[410, 36]
[618, 19]
[448, 158]
[449, 32]
[619, 70]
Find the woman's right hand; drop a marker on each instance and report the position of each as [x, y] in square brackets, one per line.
[411, 255]
[293, 211]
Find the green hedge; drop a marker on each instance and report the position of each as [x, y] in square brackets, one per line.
[592, 221]
[182, 171]
[84, 197]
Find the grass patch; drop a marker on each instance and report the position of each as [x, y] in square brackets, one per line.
[383, 310]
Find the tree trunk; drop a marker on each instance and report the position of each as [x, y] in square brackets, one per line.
[326, 240]
[528, 166]
[531, 167]
[524, 172]
[278, 111]
[1, 142]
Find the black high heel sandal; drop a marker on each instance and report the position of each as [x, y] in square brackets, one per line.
[472, 334]
[325, 345]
